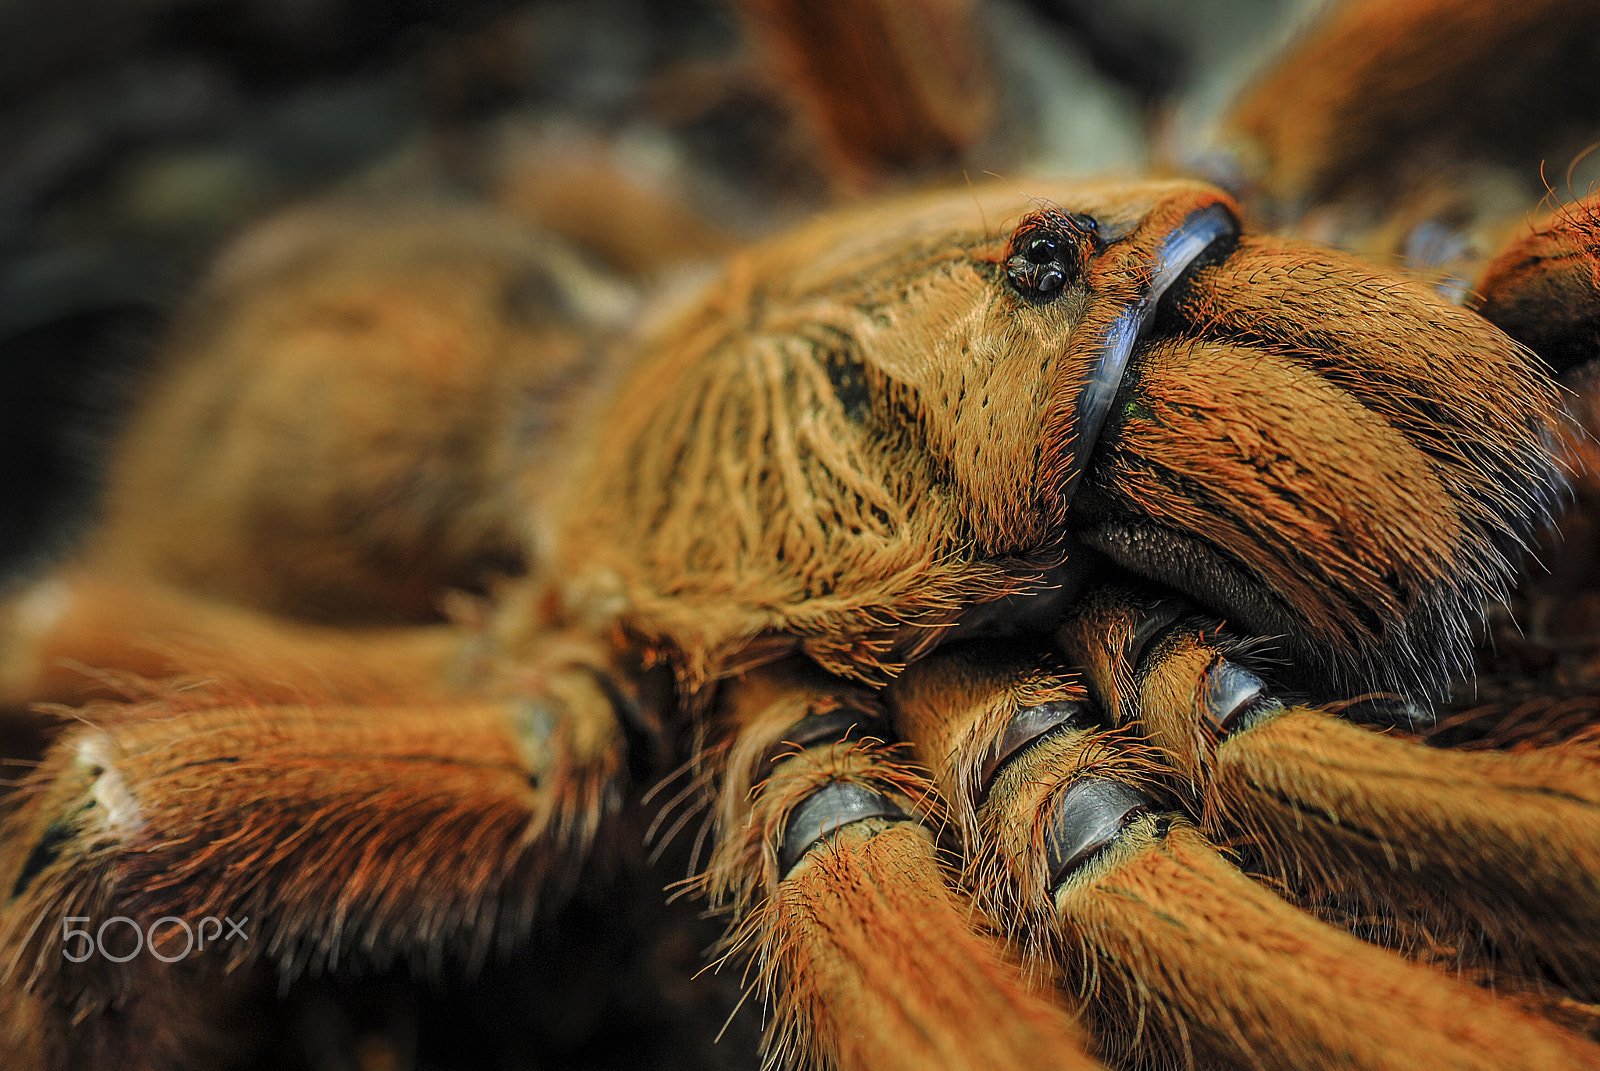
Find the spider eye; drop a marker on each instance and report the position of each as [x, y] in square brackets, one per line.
[1047, 251]
[1041, 250]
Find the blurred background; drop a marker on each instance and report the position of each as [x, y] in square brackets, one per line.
[138, 136]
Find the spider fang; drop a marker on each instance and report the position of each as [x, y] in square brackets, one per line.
[1186, 243]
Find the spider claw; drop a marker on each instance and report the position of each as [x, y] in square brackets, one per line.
[1103, 884]
[1236, 699]
[835, 726]
[827, 811]
[1090, 817]
[870, 957]
[1385, 710]
[1028, 726]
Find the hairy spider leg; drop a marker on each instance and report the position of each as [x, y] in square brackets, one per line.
[1504, 844]
[868, 957]
[80, 633]
[1174, 952]
[349, 835]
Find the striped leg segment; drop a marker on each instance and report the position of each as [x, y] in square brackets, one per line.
[868, 955]
[1448, 848]
[1174, 952]
[172, 861]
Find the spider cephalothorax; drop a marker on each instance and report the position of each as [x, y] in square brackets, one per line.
[872, 432]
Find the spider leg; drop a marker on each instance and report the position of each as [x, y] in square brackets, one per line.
[334, 837]
[1544, 289]
[363, 411]
[891, 91]
[80, 634]
[1432, 116]
[869, 957]
[1506, 841]
[1175, 952]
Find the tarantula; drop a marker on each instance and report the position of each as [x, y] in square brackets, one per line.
[1016, 568]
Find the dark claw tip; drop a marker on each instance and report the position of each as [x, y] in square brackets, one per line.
[1029, 724]
[1236, 699]
[1091, 815]
[1390, 712]
[826, 811]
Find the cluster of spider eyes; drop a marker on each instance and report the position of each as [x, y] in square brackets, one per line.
[1048, 251]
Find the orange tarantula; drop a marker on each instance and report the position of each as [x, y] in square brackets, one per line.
[1064, 595]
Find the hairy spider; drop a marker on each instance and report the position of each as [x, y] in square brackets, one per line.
[1062, 595]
